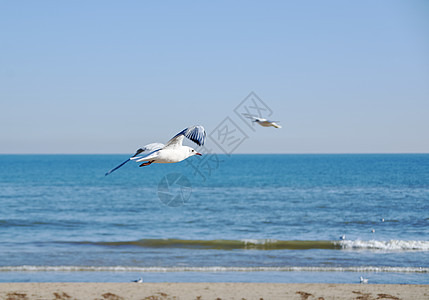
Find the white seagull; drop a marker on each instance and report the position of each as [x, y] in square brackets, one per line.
[172, 152]
[263, 122]
[363, 280]
[140, 280]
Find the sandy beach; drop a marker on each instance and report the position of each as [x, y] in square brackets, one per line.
[116, 291]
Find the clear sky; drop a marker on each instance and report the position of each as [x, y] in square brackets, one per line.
[110, 76]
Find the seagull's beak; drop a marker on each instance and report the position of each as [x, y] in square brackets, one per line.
[198, 154]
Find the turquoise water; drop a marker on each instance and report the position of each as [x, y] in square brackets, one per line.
[249, 218]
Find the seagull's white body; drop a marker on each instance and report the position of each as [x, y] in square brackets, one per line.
[363, 280]
[172, 152]
[263, 122]
[140, 280]
[168, 155]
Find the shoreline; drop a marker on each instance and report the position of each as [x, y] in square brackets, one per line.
[117, 291]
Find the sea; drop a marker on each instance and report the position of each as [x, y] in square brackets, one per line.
[280, 218]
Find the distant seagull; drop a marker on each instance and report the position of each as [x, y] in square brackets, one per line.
[382, 219]
[363, 280]
[172, 152]
[140, 280]
[343, 237]
[263, 122]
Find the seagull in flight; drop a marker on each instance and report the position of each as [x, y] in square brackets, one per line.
[172, 152]
[263, 122]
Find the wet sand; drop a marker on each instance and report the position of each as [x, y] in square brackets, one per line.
[153, 291]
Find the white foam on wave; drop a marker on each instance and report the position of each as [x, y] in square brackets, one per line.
[209, 269]
[259, 241]
[392, 245]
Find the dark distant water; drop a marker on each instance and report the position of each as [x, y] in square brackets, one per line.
[251, 218]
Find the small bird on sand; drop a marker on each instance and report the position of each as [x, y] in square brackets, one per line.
[172, 152]
[263, 122]
[140, 280]
[363, 280]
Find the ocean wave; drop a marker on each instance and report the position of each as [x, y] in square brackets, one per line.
[392, 245]
[261, 244]
[256, 244]
[211, 269]
[269, 244]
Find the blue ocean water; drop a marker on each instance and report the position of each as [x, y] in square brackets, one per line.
[249, 218]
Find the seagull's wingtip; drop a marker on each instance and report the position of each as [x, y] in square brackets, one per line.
[115, 168]
[195, 133]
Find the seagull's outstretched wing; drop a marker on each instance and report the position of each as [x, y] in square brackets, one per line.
[147, 148]
[196, 133]
[254, 118]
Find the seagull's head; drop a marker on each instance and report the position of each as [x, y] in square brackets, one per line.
[192, 152]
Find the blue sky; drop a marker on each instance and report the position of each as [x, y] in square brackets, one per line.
[110, 76]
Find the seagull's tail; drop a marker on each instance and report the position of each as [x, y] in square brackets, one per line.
[115, 168]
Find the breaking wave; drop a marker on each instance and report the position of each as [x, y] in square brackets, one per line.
[392, 245]
[268, 244]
